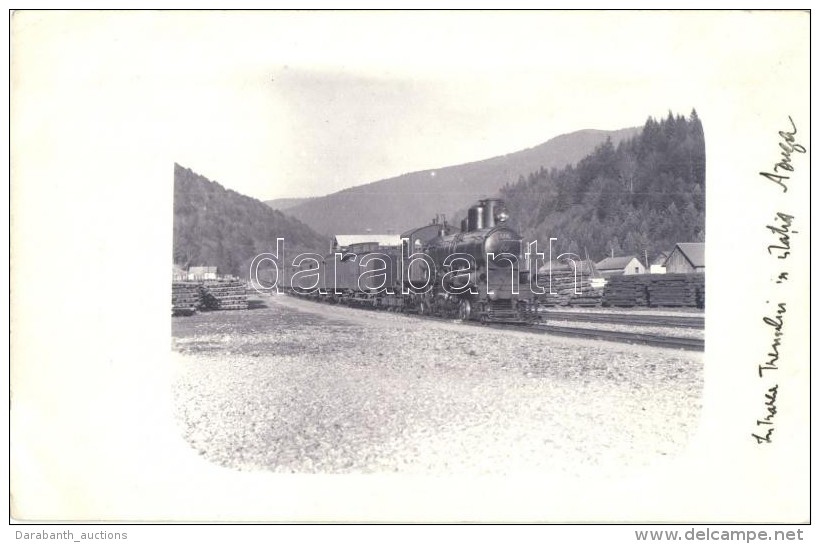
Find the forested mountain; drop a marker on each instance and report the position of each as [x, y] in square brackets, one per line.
[411, 200]
[645, 193]
[218, 226]
[639, 189]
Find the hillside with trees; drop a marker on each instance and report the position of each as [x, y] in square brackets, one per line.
[411, 200]
[644, 194]
[220, 227]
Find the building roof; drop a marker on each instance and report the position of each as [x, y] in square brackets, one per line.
[695, 253]
[346, 240]
[202, 270]
[615, 263]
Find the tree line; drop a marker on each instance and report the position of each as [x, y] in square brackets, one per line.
[645, 195]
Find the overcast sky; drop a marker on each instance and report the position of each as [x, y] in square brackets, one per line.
[280, 104]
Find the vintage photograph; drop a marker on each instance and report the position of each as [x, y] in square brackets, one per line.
[417, 265]
[367, 357]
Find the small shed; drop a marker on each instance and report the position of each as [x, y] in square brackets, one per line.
[199, 273]
[620, 266]
[687, 258]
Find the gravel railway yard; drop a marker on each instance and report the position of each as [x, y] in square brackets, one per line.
[297, 386]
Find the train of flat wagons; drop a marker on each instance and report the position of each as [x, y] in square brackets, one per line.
[471, 273]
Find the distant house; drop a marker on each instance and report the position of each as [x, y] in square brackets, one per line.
[199, 273]
[687, 258]
[359, 243]
[620, 266]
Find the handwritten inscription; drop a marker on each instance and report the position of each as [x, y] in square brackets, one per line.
[776, 323]
[766, 423]
[781, 230]
[788, 145]
[780, 246]
[764, 427]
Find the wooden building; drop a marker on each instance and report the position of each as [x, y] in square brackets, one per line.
[687, 258]
[620, 266]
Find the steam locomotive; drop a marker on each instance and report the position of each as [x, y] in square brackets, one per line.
[472, 273]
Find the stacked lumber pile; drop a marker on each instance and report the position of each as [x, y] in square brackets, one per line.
[569, 289]
[224, 295]
[700, 290]
[673, 290]
[656, 291]
[627, 291]
[186, 298]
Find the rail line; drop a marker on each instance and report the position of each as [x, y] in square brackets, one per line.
[656, 340]
[682, 321]
[675, 342]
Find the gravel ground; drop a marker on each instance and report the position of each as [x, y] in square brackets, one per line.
[297, 386]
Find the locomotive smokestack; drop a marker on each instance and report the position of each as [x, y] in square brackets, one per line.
[442, 230]
[489, 216]
[475, 217]
[494, 212]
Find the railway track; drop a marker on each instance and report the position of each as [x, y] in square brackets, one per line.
[684, 321]
[656, 340]
[674, 342]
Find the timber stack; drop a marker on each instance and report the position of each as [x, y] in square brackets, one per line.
[656, 291]
[186, 298]
[626, 291]
[674, 290]
[568, 288]
[224, 295]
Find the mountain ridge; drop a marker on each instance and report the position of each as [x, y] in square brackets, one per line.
[411, 199]
[286, 203]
